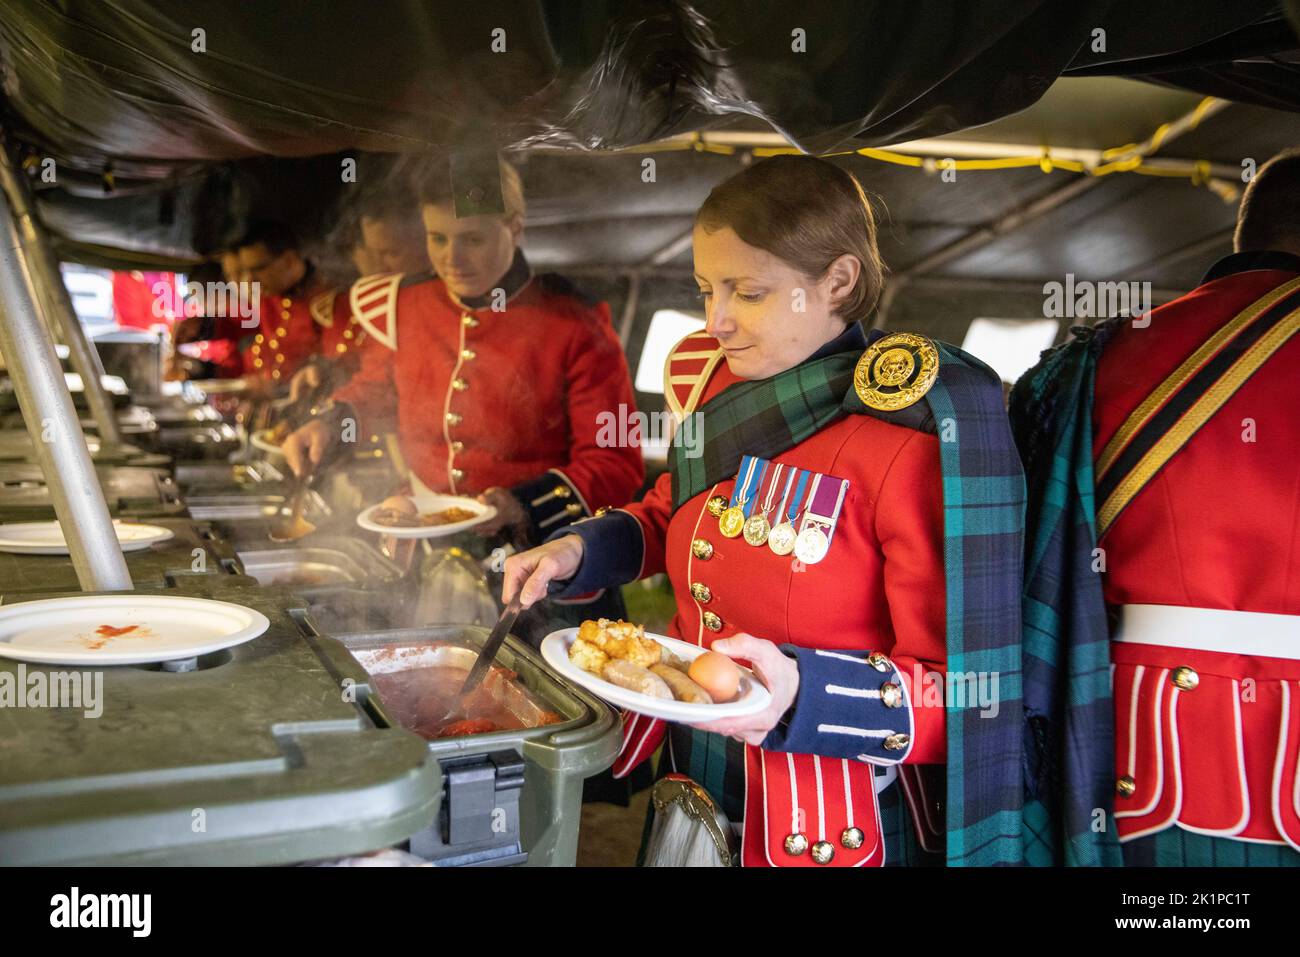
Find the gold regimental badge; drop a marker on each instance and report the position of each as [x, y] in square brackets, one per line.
[896, 371]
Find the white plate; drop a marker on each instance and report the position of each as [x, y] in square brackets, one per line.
[260, 440]
[64, 631]
[46, 538]
[752, 698]
[432, 502]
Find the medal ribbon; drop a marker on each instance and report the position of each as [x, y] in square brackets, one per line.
[785, 495]
[747, 505]
[770, 498]
[740, 491]
[820, 510]
[796, 503]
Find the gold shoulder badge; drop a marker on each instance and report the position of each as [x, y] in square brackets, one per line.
[896, 371]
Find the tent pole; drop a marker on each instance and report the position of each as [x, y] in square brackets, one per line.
[53, 297]
[52, 421]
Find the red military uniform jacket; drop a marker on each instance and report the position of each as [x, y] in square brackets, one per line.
[342, 337]
[1213, 751]
[512, 398]
[285, 335]
[870, 613]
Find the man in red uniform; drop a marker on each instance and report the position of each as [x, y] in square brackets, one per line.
[1203, 553]
[1162, 452]
[278, 282]
[386, 238]
[497, 377]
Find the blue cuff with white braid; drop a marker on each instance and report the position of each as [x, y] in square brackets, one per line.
[851, 704]
[612, 551]
[550, 502]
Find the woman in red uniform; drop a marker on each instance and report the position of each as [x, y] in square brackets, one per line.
[833, 586]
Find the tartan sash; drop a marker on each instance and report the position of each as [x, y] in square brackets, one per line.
[983, 507]
[1069, 719]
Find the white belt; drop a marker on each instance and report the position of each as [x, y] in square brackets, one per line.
[1252, 633]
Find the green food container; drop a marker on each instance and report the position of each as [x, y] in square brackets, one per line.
[508, 796]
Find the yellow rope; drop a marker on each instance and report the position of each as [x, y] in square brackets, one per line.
[1198, 172]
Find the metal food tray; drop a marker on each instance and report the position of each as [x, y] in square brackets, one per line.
[333, 560]
[225, 477]
[406, 648]
[391, 658]
[234, 507]
[128, 491]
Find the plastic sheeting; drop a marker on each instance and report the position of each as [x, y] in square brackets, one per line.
[126, 96]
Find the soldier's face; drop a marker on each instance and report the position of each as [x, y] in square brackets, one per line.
[389, 248]
[471, 254]
[767, 315]
[276, 273]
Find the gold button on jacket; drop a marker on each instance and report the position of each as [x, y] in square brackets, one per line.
[702, 549]
[1185, 678]
[700, 592]
[712, 621]
[823, 852]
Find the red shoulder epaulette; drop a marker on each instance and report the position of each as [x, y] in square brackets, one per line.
[687, 369]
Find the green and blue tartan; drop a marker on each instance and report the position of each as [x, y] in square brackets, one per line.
[1070, 743]
[983, 507]
[1174, 847]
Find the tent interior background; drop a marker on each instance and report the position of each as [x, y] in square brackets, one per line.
[954, 247]
[162, 152]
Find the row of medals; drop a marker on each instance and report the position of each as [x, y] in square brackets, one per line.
[810, 545]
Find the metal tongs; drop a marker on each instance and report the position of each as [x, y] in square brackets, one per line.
[295, 526]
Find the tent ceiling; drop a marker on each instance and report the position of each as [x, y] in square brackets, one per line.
[189, 137]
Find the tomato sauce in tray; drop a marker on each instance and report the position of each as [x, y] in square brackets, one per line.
[421, 698]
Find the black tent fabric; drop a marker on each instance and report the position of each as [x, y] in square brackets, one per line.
[183, 99]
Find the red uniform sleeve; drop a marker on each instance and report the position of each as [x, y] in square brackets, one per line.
[602, 469]
[652, 514]
[371, 391]
[600, 385]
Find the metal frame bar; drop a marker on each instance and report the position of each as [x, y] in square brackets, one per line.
[52, 421]
[52, 294]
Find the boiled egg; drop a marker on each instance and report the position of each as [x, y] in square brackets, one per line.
[717, 674]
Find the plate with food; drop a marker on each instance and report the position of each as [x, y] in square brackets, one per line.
[654, 674]
[427, 515]
[99, 630]
[46, 538]
[270, 440]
